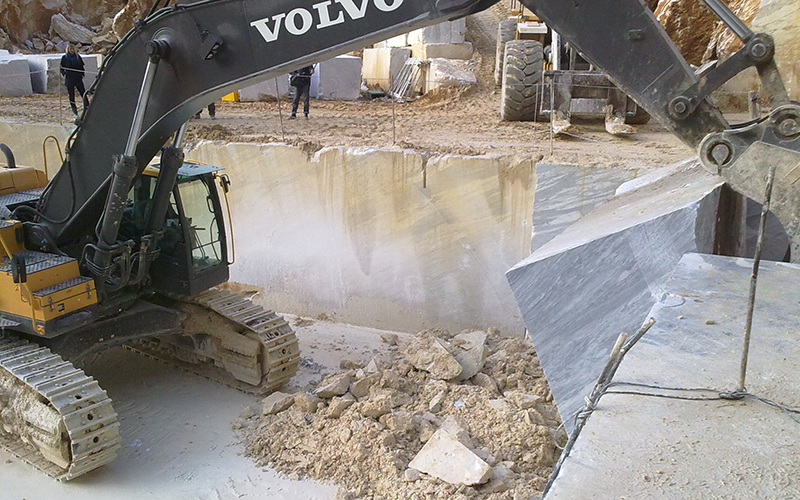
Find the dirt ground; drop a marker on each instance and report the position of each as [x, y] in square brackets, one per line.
[465, 121]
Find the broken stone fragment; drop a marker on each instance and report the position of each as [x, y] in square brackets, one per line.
[376, 408]
[458, 429]
[485, 381]
[391, 379]
[469, 349]
[250, 411]
[350, 364]
[338, 405]
[360, 388]
[372, 367]
[425, 429]
[447, 459]
[307, 402]
[70, 31]
[435, 404]
[386, 439]
[411, 475]
[399, 421]
[276, 403]
[502, 479]
[521, 400]
[389, 338]
[500, 405]
[335, 385]
[399, 398]
[431, 355]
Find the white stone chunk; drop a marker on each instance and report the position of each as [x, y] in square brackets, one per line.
[447, 459]
[446, 32]
[340, 78]
[46, 77]
[431, 355]
[276, 403]
[15, 76]
[469, 350]
[381, 66]
[442, 50]
[396, 41]
[70, 31]
[449, 73]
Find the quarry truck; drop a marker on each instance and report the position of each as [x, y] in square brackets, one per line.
[543, 79]
[120, 249]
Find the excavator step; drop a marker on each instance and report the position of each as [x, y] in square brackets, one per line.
[36, 261]
[83, 408]
[58, 287]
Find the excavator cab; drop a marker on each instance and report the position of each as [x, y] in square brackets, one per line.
[193, 248]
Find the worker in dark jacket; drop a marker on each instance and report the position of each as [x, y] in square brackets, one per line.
[72, 71]
[301, 81]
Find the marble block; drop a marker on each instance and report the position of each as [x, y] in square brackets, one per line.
[442, 50]
[600, 276]
[446, 32]
[396, 41]
[340, 78]
[45, 74]
[381, 66]
[449, 73]
[630, 442]
[15, 76]
[565, 193]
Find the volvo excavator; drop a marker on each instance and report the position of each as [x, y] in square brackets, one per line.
[115, 250]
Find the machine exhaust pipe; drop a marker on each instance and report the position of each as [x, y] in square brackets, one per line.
[9, 156]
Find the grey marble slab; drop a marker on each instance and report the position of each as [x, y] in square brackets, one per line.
[641, 446]
[565, 193]
[15, 76]
[599, 277]
[340, 78]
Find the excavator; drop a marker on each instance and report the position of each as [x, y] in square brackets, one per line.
[120, 249]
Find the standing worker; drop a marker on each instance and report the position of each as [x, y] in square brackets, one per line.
[301, 81]
[72, 71]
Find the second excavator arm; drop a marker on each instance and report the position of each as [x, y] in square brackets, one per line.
[624, 39]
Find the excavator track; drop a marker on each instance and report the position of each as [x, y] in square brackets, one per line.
[229, 339]
[52, 415]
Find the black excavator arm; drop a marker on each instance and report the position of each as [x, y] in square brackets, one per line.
[624, 39]
[193, 54]
[183, 57]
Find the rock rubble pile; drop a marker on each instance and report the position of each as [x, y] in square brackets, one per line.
[446, 416]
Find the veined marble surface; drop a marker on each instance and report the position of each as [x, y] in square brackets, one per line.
[599, 277]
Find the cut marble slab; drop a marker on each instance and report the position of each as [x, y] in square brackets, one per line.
[602, 275]
[15, 76]
[636, 446]
[45, 72]
[340, 78]
[565, 193]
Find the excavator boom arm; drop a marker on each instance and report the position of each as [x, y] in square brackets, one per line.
[213, 47]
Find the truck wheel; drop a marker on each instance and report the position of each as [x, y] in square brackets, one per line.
[639, 118]
[506, 31]
[522, 78]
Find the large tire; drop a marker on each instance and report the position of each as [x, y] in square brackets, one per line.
[506, 31]
[522, 78]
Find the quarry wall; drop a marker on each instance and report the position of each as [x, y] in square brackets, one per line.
[387, 238]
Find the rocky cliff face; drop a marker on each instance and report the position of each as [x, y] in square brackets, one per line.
[701, 37]
[689, 23]
[41, 25]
